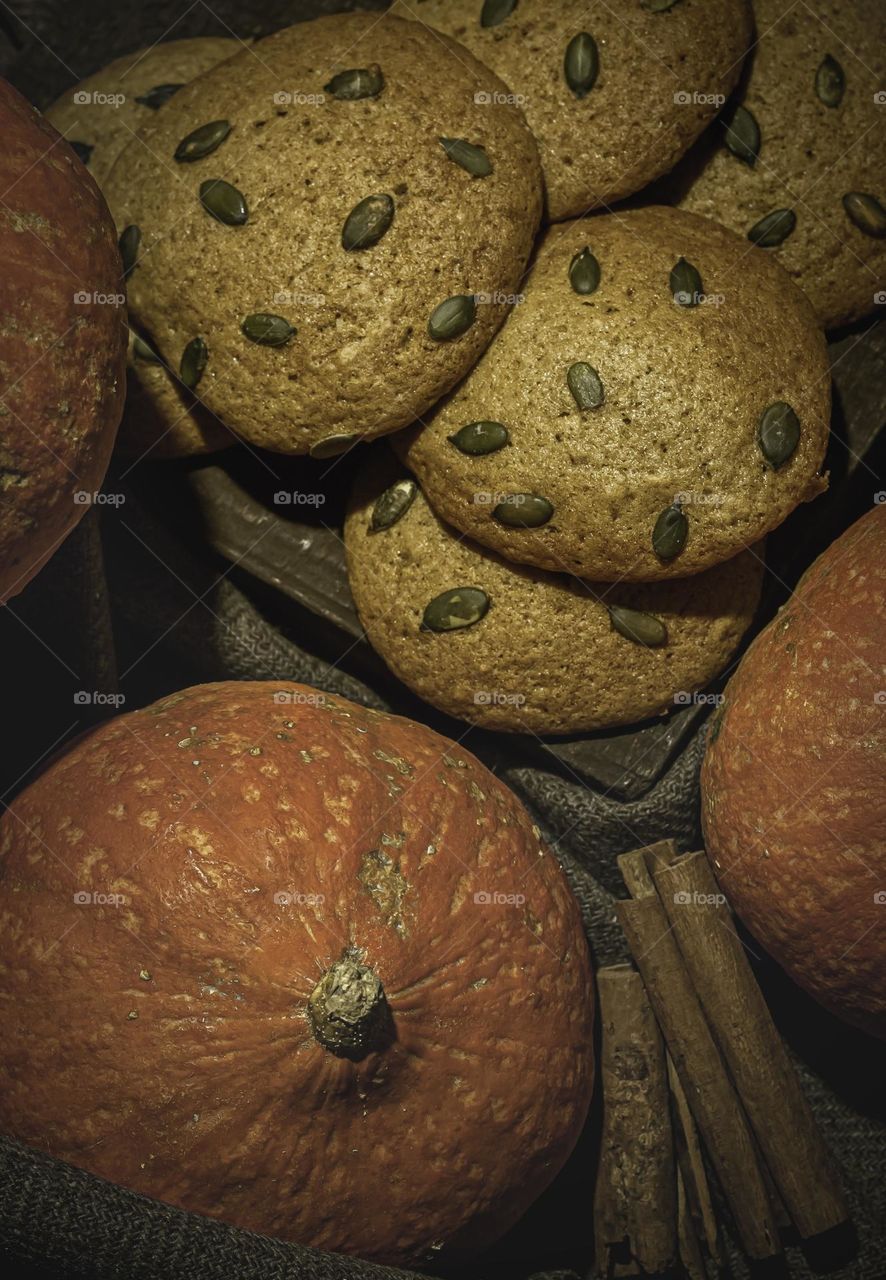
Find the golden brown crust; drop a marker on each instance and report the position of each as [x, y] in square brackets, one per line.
[684, 391]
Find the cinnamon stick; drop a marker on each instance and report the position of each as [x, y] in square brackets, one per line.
[692, 1170]
[698, 1061]
[776, 1106]
[688, 1247]
[635, 1207]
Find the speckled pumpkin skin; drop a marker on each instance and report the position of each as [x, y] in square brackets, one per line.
[794, 781]
[163, 1042]
[61, 356]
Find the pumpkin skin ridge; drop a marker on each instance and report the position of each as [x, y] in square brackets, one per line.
[494, 1067]
[805, 880]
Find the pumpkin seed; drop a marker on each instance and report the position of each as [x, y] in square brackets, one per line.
[452, 317]
[367, 222]
[494, 12]
[82, 150]
[584, 382]
[141, 349]
[658, 6]
[669, 533]
[830, 82]
[392, 504]
[470, 155]
[773, 229]
[743, 135]
[267, 330]
[642, 628]
[332, 446]
[581, 66]
[193, 362]
[686, 285]
[476, 438]
[361, 82]
[130, 239]
[454, 609]
[224, 202]
[159, 95]
[778, 433]
[523, 511]
[203, 141]
[866, 212]
[584, 272]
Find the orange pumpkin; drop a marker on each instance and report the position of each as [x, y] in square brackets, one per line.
[296, 964]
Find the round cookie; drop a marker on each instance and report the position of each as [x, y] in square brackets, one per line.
[816, 97]
[161, 418]
[99, 115]
[546, 656]
[646, 438]
[663, 72]
[332, 206]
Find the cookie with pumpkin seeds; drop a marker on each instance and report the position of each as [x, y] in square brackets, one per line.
[515, 648]
[614, 93]
[658, 402]
[330, 233]
[100, 115]
[805, 136]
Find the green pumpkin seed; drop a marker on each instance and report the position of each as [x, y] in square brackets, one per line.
[224, 202]
[743, 135]
[778, 433]
[523, 511]
[584, 272]
[669, 533]
[82, 150]
[159, 95]
[367, 222]
[130, 239]
[193, 362]
[658, 6]
[866, 212]
[141, 349]
[203, 141]
[774, 229]
[494, 12]
[454, 609]
[830, 82]
[476, 438]
[641, 628]
[267, 330]
[686, 285]
[452, 317]
[584, 382]
[332, 446]
[581, 65]
[470, 155]
[392, 504]
[361, 82]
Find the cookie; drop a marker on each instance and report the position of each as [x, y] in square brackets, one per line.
[614, 93]
[99, 115]
[660, 398]
[809, 139]
[547, 654]
[161, 418]
[341, 234]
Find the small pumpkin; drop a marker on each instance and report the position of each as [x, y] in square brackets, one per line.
[295, 964]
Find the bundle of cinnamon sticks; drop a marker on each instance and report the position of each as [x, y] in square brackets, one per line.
[696, 1077]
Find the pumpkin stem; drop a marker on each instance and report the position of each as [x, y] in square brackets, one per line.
[349, 1012]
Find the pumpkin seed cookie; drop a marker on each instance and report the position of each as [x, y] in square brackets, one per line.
[515, 648]
[328, 232]
[99, 115]
[658, 402]
[798, 165]
[614, 93]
